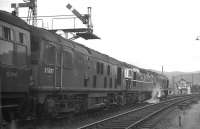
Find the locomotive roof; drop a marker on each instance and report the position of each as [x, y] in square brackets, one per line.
[14, 20]
[43, 34]
[50, 36]
[155, 73]
[130, 65]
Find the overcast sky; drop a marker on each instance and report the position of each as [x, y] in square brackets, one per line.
[146, 33]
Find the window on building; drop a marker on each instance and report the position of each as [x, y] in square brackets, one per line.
[21, 37]
[94, 81]
[108, 69]
[105, 82]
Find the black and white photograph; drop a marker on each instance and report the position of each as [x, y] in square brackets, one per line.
[99, 64]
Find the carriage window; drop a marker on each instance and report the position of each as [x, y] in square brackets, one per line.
[21, 37]
[7, 33]
[21, 55]
[67, 59]
[6, 53]
[49, 54]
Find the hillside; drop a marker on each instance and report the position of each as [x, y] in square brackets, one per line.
[193, 77]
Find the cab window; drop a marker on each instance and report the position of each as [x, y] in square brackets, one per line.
[49, 54]
[7, 33]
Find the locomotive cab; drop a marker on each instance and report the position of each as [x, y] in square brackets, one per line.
[14, 62]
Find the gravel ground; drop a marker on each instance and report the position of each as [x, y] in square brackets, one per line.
[188, 118]
[73, 124]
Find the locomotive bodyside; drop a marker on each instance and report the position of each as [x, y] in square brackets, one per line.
[78, 78]
[141, 83]
[71, 77]
[14, 62]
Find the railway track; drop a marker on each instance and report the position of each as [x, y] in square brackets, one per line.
[126, 117]
[137, 118]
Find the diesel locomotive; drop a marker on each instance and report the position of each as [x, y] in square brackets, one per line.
[43, 74]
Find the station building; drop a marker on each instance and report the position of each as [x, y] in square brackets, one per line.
[183, 86]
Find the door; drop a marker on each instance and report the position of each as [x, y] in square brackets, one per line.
[47, 72]
[58, 68]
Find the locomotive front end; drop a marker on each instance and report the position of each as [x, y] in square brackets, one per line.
[14, 63]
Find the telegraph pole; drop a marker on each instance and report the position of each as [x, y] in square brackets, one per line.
[192, 79]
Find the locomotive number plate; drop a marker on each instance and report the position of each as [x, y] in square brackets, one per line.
[48, 70]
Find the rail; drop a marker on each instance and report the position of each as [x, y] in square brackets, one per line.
[129, 119]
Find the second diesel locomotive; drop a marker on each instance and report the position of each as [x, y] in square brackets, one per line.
[62, 76]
